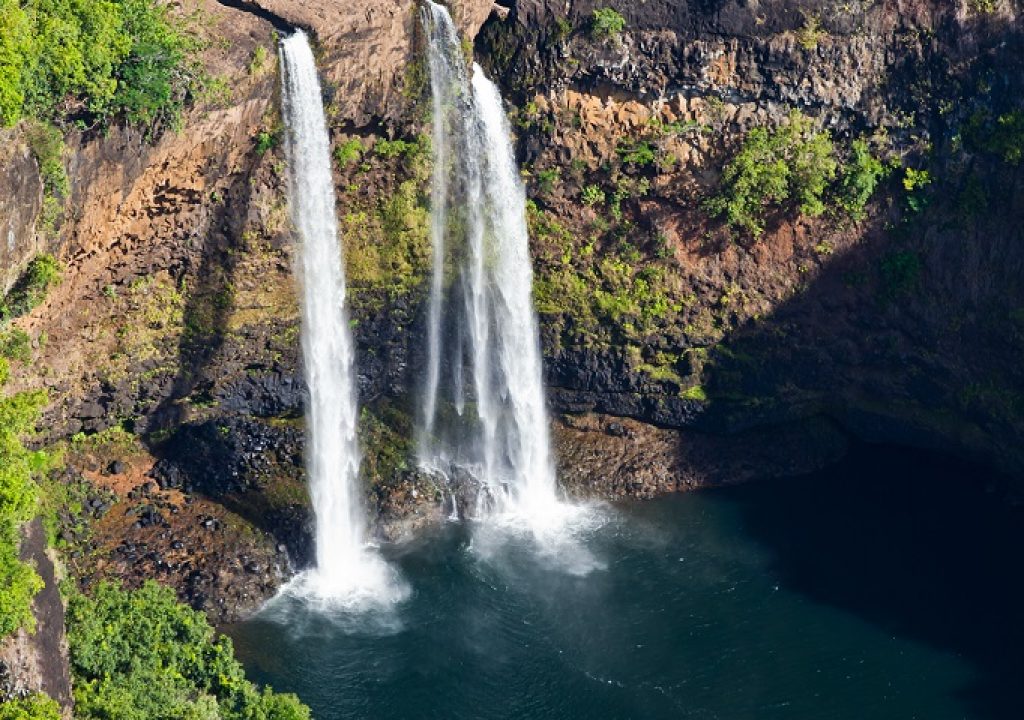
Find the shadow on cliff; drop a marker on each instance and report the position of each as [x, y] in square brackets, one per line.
[912, 337]
[209, 282]
[899, 539]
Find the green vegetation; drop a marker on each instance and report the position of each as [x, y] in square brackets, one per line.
[259, 60]
[20, 468]
[795, 163]
[547, 179]
[93, 60]
[606, 23]
[639, 153]
[42, 274]
[860, 176]
[139, 655]
[348, 153]
[622, 292]
[387, 243]
[915, 182]
[697, 392]
[33, 707]
[15, 344]
[810, 34]
[900, 271]
[1001, 135]
[592, 195]
[267, 141]
[411, 150]
[47, 144]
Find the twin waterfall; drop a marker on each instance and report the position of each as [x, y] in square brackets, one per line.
[483, 408]
[484, 359]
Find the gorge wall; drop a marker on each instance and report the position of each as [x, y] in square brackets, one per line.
[679, 352]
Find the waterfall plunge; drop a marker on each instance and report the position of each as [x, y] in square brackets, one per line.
[483, 352]
[347, 573]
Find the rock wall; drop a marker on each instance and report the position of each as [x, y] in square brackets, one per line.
[895, 328]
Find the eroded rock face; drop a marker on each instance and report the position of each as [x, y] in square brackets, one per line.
[21, 198]
[369, 49]
[875, 324]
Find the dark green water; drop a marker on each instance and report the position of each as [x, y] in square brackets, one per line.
[885, 588]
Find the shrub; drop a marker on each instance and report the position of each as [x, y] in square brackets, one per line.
[606, 23]
[592, 195]
[810, 34]
[900, 270]
[140, 654]
[793, 162]
[15, 345]
[546, 179]
[95, 60]
[1008, 139]
[258, 61]
[47, 144]
[19, 467]
[42, 274]
[915, 182]
[640, 154]
[349, 153]
[266, 141]
[33, 707]
[860, 177]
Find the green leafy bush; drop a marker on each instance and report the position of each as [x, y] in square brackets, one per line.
[900, 271]
[266, 141]
[19, 467]
[33, 707]
[349, 152]
[592, 195]
[15, 344]
[139, 655]
[41, 275]
[606, 22]
[795, 162]
[860, 176]
[640, 153]
[95, 59]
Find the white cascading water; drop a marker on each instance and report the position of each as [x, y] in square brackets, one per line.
[347, 572]
[479, 230]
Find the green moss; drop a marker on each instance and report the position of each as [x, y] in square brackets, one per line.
[697, 392]
[385, 433]
[387, 245]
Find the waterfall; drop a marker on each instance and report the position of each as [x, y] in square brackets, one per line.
[484, 356]
[345, 569]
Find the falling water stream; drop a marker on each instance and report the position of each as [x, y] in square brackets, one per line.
[484, 358]
[346, 572]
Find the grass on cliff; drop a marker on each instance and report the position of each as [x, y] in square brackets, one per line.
[140, 654]
[386, 230]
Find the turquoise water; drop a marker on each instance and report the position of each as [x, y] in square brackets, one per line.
[884, 588]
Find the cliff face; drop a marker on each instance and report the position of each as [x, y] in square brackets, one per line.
[896, 327]
[730, 357]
